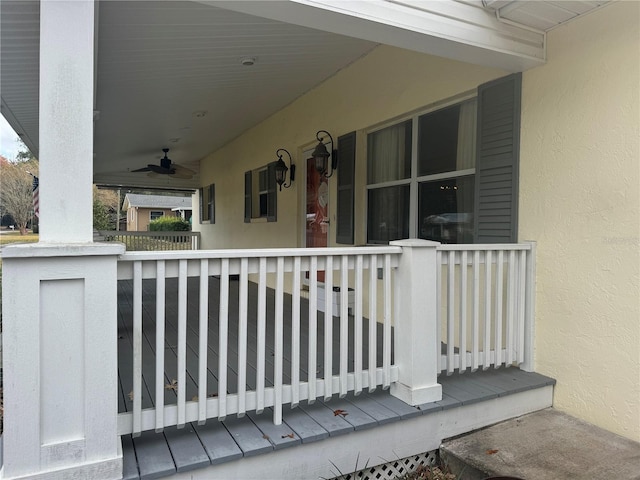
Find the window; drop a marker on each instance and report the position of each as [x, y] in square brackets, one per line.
[207, 204]
[260, 194]
[432, 177]
[451, 174]
[155, 214]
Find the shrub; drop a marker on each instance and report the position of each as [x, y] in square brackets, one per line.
[169, 224]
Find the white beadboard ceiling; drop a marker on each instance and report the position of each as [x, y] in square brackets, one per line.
[542, 15]
[161, 63]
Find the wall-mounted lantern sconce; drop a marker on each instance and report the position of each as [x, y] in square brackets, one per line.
[321, 155]
[281, 170]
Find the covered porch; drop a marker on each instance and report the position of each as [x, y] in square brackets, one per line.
[432, 329]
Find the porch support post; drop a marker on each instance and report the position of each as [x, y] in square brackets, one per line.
[66, 121]
[416, 349]
[60, 295]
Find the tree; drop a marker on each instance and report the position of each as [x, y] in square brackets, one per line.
[16, 189]
[105, 208]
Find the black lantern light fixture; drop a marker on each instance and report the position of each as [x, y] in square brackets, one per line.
[281, 170]
[321, 155]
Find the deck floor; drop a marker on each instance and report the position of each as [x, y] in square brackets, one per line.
[154, 455]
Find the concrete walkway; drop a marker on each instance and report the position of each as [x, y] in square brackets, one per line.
[546, 445]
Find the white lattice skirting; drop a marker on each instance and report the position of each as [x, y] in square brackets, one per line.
[394, 469]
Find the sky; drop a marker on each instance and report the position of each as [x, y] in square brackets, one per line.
[9, 144]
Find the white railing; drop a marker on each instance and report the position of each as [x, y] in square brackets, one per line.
[275, 385]
[154, 241]
[486, 306]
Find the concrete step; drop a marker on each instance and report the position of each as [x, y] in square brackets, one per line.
[545, 445]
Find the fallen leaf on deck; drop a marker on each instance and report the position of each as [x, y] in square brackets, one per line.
[265, 436]
[491, 452]
[172, 386]
[288, 436]
[131, 395]
[342, 413]
[212, 395]
[194, 398]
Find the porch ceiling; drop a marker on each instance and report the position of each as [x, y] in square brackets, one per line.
[160, 63]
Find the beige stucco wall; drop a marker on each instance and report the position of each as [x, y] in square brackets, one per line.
[384, 84]
[579, 184]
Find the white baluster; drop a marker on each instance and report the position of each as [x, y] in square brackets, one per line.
[242, 336]
[137, 348]
[203, 334]
[344, 325]
[463, 311]
[328, 328]
[313, 328]
[357, 325]
[223, 320]
[262, 333]
[182, 342]
[278, 350]
[160, 326]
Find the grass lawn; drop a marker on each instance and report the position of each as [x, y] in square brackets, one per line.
[15, 237]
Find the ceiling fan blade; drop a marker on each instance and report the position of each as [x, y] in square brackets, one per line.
[161, 170]
[183, 172]
[145, 169]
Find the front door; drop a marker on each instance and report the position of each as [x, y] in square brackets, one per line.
[317, 224]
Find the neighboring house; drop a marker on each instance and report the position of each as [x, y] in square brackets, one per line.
[143, 209]
[483, 126]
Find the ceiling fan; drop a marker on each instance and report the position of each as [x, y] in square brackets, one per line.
[167, 167]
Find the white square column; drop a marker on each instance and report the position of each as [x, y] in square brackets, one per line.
[66, 120]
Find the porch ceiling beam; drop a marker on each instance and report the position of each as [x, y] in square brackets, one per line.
[461, 31]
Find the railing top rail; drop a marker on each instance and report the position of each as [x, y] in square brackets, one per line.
[484, 246]
[257, 253]
[148, 233]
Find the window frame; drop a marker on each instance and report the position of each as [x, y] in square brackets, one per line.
[414, 179]
[271, 194]
[151, 212]
[210, 217]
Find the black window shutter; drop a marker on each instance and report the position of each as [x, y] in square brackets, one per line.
[201, 204]
[346, 177]
[212, 203]
[498, 151]
[272, 193]
[247, 197]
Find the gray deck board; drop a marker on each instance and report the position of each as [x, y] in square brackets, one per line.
[156, 455]
[218, 442]
[448, 401]
[351, 413]
[334, 424]
[281, 436]
[372, 408]
[466, 392]
[129, 464]
[306, 428]
[186, 448]
[153, 455]
[394, 404]
[249, 438]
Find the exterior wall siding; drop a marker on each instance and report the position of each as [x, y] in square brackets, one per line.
[579, 178]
